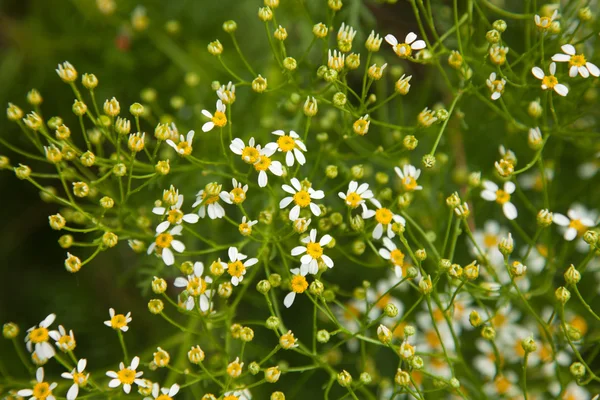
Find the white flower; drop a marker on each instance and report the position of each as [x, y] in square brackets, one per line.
[184, 146]
[196, 286]
[217, 119]
[118, 321]
[496, 86]
[385, 219]
[236, 267]
[164, 242]
[405, 49]
[37, 338]
[126, 376]
[265, 163]
[298, 285]
[492, 192]
[64, 341]
[302, 198]
[314, 253]
[174, 216]
[356, 195]
[392, 253]
[550, 81]
[164, 393]
[577, 62]
[78, 377]
[249, 154]
[210, 204]
[238, 193]
[578, 221]
[227, 93]
[291, 145]
[409, 175]
[41, 390]
[543, 23]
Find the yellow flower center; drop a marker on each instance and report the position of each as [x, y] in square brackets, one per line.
[403, 50]
[80, 378]
[238, 195]
[299, 284]
[409, 183]
[550, 81]
[66, 342]
[250, 154]
[383, 301]
[286, 143]
[236, 268]
[498, 320]
[196, 286]
[263, 163]
[360, 126]
[383, 216]
[118, 321]
[209, 199]
[39, 335]
[126, 376]
[41, 390]
[164, 397]
[234, 369]
[174, 216]
[432, 339]
[543, 250]
[579, 323]
[397, 257]
[578, 60]
[164, 240]
[544, 22]
[302, 198]
[314, 250]
[497, 86]
[490, 240]
[184, 148]
[502, 385]
[219, 119]
[231, 397]
[579, 227]
[353, 199]
[502, 197]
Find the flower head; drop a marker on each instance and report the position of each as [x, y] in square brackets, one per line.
[314, 253]
[196, 287]
[264, 164]
[217, 119]
[550, 81]
[301, 197]
[164, 393]
[126, 376]
[237, 265]
[41, 390]
[184, 146]
[291, 145]
[174, 216]
[577, 62]
[408, 176]
[209, 202]
[79, 378]
[385, 219]
[238, 193]
[249, 154]
[577, 221]
[226, 93]
[356, 195]
[164, 242]
[496, 86]
[118, 321]
[38, 338]
[404, 50]
[298, 284]
[492, 192]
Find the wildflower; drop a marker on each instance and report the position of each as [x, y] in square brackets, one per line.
[112, 107]
[408, 176]
[65, 342]
[226, 94]
[38, 338]
[356, 195]
[496, 86]
[291, 145]
[196, 287]
[492, 192]
[395, 255]
[238, 194]
[384, 218]
[577, 62]
[577, 221]
[118, 321]
[164, 393]
[375, 72]
[301, 197]
[234, 369]
[298, 285]
[336, 60]
[67, 72]
[426, 118]
[174, 216]
[126, 376]
[218, 119]
[245, 227]
[314, 253]
[259, 84]
[184, 146]
[345, 37]
[543, 23]
[402, 85]
[361, 125]
[164, 242]
[79, 378]
[236, 267]
[265, 163]
[250, 154]
[41, 390]
[404, 50]
[550, 81]
[498, 54]
[373, 42]
[209, 202]
[288, 341]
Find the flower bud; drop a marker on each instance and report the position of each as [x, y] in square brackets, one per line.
[488, 333]
[275, 280]
[259, 84]
[572, 276]
[254, 368]
[493, 36]
[471, 271]
[162, 167]
[156, 306]
[507, 245]
[34, 97]
[373, 42]
[585, 14]
[14, 113]
[421, 254]
[159, 285]
[534, 139]
[310, 107]
[402, 378]
[425, 285]
[10, 330]
[577, 369]
[529, 344]
[119, 169]
[195, 355]
[353, 61]
[215, 48]
[79, 108]
[81, 189]
[562, 295]
[263, 286]
[72, 263]
[323, 336]
[88, 159]
[344, 378]
[517, 269]
[320, 30]
[534, 109]
[357, 171]
[290, 63]
[265, 14]
[390, 310]
[109, 239]
[384, 334]
[136, 142]
[273, 323]
[272, 374]
[67, 72]
[544, 218]
[316, 288]
[225, 290]
[112, 107]
[230, 26]
[280, 33]
[406, 351]
[475, 319]
[33, 121]
[246, 334]
[590, 237]
[331, 171]
[65, 241]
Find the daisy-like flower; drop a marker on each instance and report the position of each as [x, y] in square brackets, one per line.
[298, 285]
[577, 62]
[209, 203]
[174, 216]
[408, 176]
[184, 146]
[385, 219]
[196, 287]
[392, 253]
[265, 163]
[118, 321]
[217, 119]
[301, 197]
[164, 393]
[336, 61]
[227, 93]
[577, 221]
[236, 267]
[79, 378]
[41, 390]
[314, 253]
[492, 192]
[250, 154]
[38, 338]
[404, 50]
[496, 86]
[126, 376]
[238, 193]
[550, 81]
[543, 23]
[65, 342]
[356, 195]
[291, 145]
[245, 227]
[164, 242]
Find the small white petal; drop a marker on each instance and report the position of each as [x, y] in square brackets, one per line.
[289, 299]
